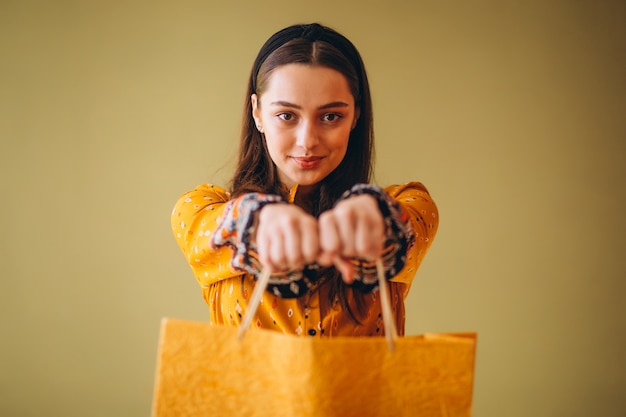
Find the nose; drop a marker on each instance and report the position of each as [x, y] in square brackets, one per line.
[307, 135]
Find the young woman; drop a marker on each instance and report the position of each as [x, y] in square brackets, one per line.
[300, 202]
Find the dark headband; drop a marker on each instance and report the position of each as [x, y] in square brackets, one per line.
[311, 32]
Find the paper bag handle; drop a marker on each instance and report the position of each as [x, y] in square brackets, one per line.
[390, 327]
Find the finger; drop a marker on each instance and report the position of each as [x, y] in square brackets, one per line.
[329, 236]
[265, 239]
[262, 246]
[276, 260]
[346, 232]
[346, 269]
[292, 248]
[369, 237]
[309, 238]
[325, 258]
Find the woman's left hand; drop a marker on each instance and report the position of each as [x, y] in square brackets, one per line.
[354, 228]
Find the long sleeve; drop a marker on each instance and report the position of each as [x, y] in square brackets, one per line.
[214, 233]
[401, 208]
[195, 218]
[211, 227]
[423, 216]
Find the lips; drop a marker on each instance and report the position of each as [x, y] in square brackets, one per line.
[307, 162]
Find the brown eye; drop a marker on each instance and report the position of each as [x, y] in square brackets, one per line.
[331, 117]
[287, 117]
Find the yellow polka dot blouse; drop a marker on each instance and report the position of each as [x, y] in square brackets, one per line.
[213, 232]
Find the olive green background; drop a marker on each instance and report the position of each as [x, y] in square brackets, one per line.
[511, 112]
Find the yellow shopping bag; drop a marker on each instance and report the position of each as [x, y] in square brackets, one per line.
[205, 370]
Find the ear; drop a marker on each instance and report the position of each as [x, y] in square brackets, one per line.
[357, 113]
[256, 111]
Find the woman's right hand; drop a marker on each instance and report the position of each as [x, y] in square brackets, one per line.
[286, 237]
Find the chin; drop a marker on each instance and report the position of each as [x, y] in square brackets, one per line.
[310, 181]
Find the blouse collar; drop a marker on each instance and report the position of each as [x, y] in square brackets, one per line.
[292, 193]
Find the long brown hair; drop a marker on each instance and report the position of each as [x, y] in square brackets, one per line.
[314, 45]
[311, 44]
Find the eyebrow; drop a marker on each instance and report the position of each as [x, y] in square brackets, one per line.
[322, 107]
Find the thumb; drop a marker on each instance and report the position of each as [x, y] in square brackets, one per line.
[346, 269]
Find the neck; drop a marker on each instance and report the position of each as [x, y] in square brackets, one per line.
[304, 197]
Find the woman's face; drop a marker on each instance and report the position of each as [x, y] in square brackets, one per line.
[306, 114]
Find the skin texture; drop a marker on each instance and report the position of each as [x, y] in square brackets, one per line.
[306, 114]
